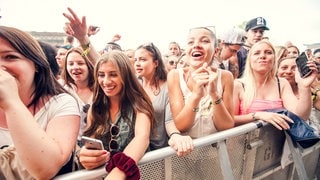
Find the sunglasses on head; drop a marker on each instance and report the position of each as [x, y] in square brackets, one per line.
[152, 48]
[114, 132]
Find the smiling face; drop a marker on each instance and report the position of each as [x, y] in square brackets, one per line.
[287, 69]
[109, 79]
[21, 68]
[77, 67]
[200, 47]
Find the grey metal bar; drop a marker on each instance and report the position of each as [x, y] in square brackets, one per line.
[225, 161]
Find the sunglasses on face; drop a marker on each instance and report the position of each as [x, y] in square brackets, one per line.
[114, 132]
[172, 63]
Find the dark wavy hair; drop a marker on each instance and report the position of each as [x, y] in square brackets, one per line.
[44, 80]
[160, 72]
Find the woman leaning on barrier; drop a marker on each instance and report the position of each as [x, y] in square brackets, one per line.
[200, 95]
[260, 89]
[121, 115]
[39, 120]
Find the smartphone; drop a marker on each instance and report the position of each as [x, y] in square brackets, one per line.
[91, 143]
[301, 62]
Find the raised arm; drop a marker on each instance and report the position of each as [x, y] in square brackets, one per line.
[78, 28]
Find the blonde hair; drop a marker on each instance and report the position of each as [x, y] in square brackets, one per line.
[249, 78]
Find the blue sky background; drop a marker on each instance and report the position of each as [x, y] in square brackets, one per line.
[162, 21]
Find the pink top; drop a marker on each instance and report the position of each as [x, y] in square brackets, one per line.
[261, 105]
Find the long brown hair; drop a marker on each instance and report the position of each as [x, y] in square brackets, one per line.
[132, 96]
[66, 76]
[44, 80]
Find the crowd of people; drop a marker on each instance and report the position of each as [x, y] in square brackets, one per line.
[140, 99]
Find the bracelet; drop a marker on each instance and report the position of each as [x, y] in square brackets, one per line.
[85, 52]
[254, 116]
[218, 101]
[316, 91]
[85, 46]
[174, 133]
[195, 109]
[86, 49]
[314, 94]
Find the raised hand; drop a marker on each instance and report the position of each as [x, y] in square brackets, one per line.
[75, 27]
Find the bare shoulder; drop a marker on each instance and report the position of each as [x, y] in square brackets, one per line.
[238, 84]
[283, 81]
[173, 77]
[173, 73]
[226, 75]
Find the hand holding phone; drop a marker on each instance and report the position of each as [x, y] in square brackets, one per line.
[91, 143]
[301, 62]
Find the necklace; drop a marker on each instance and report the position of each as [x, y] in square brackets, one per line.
[155, 90]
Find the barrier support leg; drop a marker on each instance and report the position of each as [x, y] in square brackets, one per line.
[225, 161]
[297, 159]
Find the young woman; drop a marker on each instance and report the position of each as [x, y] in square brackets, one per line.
[78, 80]
[150, 68]
[121, 116]
[259, 89]
[200, 98]
[38, 119]
[201, 95]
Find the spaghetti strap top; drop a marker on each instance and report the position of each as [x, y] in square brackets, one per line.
[203, 123]
[261, 104]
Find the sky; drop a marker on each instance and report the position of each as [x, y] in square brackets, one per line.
[163, 21]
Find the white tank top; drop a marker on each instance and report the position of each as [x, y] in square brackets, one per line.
[203, 124]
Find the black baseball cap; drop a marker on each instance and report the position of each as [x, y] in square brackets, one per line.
[258, 22]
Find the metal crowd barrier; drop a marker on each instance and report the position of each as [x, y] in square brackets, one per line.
[250, 151]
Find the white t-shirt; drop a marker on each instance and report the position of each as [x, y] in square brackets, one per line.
[60, 105]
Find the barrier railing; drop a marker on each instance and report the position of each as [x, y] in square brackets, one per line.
[237, 153]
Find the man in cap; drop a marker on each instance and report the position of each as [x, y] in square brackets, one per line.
[229, 44]
[254, 32]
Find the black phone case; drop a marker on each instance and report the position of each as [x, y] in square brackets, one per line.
[301, 62]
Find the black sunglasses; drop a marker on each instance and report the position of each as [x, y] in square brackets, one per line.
[152, 48]
[172, 63]
[85, 108]
[114, 132]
